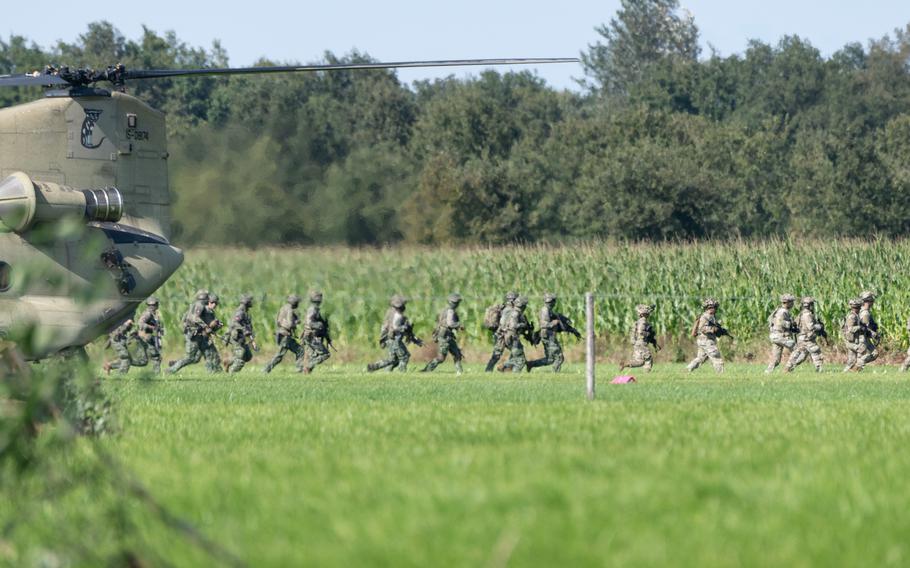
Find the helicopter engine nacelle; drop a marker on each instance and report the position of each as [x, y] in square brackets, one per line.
[25, 202]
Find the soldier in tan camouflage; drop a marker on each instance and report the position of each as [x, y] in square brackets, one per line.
[396, 332]
[149, 333]
[447, 324]
[316, 334]
[642, 338]
[871, 335]
[854, 334]
[706, 331]
[782, 330]
[240, 336]
[492, 319]
[286, 323]
[809, 329]
[514, 326]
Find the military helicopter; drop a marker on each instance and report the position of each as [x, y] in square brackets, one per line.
[98, 157]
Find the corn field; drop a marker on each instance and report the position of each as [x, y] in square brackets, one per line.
[747, 277]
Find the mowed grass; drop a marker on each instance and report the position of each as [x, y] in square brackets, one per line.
[344, 468]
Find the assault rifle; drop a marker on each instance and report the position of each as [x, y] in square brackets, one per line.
[410, 337]
[565, 324]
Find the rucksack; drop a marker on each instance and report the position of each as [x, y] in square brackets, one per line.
[491, 317]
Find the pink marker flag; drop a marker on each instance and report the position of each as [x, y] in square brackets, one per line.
[623, 380]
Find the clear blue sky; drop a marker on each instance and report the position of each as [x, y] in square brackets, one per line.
[285, 30]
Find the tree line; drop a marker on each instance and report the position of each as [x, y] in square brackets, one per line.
[660, 142]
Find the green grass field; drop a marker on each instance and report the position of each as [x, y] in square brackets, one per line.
[344, 468]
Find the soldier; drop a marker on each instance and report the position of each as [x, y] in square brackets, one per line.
[906, 363]
[810, 328]
[782, 329]
[149, 334]
[316, 334]
[447, 323]
[120, 343]
[491, 320]
[854, 336]
[514, 325]
[706, 331]
[240, 336]
[642, 336]
[552, 324]
[871, 335]
[286, 323]
[396, 332]
[198, 326]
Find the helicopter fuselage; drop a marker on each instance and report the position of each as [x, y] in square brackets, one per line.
[70, 286]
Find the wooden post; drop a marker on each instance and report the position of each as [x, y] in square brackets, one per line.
[589, 347]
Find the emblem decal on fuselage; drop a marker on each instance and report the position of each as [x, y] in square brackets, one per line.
[88, 128]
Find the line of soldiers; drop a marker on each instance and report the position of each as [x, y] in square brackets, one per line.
[506, 321]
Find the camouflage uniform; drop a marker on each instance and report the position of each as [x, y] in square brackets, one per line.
[854, 337]
[706, 330]
[906, 364]
[514, 325]
[315, 334]
[499, 345]
[552, 324]
[396, 332]
[782, 328]
[447, 323]
[199, 326]
[642, 339]
[809, 328]
[871, 327]
[240, 335]
[286, 322]
[120, 343]
[149, 334]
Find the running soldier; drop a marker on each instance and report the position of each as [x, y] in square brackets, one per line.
[513, 326]
[286, 323]
[642, 337]
[854, 337]
[149, 334]
[871, 326]
[447, 323]
[120, 342]
[810, 328]
[397, 331]
[706, 331]
[316, 335]
[491, 320]
[199, 326]
[552, 323]
[782, 329]
[240, 336]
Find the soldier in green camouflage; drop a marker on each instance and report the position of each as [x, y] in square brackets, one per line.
[316, 334]
[871, 335]
[447, 324]
[149, 334]
[397, 331]
[192, 328]
[706, 330]
[810, 328]
[514, 325]
[120, 342]
[782, 330]
[642, 338]
[208, 334]
[286, 323]
[491, 320]
[552, 323]
[240, 336]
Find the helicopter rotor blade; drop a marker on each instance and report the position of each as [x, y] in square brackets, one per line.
[31, 80]
[161, 73]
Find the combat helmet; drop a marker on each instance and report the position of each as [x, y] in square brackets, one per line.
[316, 296]
[202, 295]
[787, 298]
[710, 303]
[455, 298]
[398, 301]
[213, 298]
[867, 296]
[808, 301]
[151, 301]
[855, 303]
[643, 309]
[246, 299]
[510, 297]
[293, 299]
[521, 302]
[549, 298]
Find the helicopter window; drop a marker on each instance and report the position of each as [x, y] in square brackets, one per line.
[5, 280]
